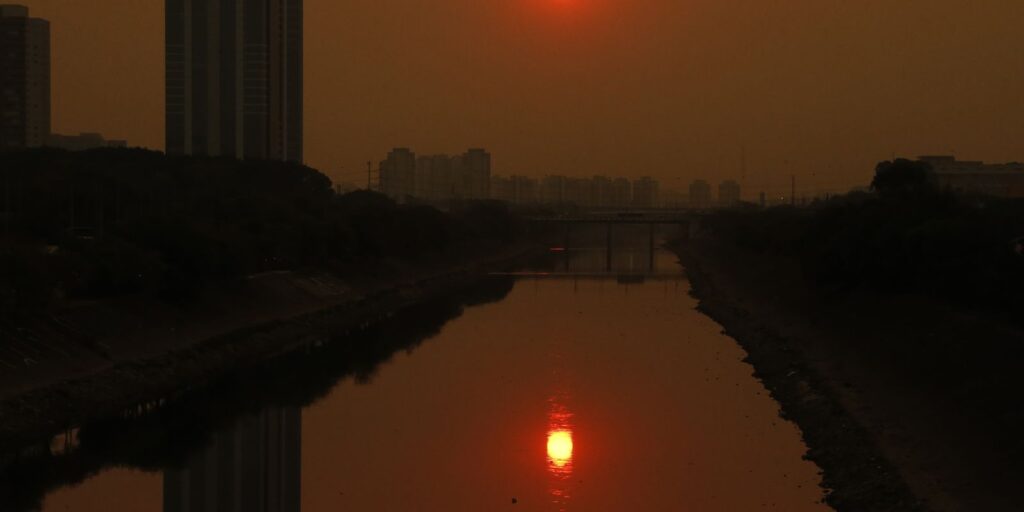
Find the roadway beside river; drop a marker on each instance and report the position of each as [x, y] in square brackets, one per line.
[889, 427]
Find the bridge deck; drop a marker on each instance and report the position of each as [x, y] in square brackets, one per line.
[616, 219]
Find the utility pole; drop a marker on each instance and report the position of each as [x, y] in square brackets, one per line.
[369, 175]
[72, 208]
[99, 210]
[8, 211]
[792, 195]
[743, 165]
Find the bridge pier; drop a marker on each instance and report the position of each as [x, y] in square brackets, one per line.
[567, 241]
[688, 222]
[650, 246]
[609, 257]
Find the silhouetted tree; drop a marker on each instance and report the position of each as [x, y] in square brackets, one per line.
[107, 222]
[904, 179]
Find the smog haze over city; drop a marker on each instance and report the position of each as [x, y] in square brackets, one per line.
[487, 255]
[668, 88]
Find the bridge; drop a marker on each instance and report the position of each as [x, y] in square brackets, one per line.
[652, 218]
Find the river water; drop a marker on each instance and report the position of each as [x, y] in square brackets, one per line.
[567, 389]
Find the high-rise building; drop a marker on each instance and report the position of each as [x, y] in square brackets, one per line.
[476, 174]
[503, 189]
[621, 193]
[728, 194]
[398, 174]
[577, 192]
[700, 194]
[24, 79]
[524, 190]
[553, 189]
[600, 191]
[645, 192]
[434, 180]
[254, 465]
[234, 78]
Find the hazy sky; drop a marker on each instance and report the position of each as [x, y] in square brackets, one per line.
[671, 88]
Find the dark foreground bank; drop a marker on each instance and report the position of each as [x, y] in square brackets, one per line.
[906, 402]
[127, 276]
[75, 397]
[163, 430]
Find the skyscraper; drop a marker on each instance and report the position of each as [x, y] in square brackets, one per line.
[700, 194]
[24, 79]
[476, 165]
[234, 78]
[398, 174]
[728, 194]
[645, 192]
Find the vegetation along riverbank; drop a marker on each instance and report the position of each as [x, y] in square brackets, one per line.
[888, 324]
[129, 276]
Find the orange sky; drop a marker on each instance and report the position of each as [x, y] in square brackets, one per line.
[670, 88]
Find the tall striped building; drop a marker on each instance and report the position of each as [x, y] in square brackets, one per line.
[234, 78]
[24, 79]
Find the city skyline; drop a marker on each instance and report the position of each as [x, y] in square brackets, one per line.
[741, 78]
[544, 255]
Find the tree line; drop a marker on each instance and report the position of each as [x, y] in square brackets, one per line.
[907, 235]
[110, 222]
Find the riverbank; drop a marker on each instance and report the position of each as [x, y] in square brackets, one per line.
[891, 426]
[138, 351]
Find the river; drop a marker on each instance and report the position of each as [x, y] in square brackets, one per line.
[569, 388]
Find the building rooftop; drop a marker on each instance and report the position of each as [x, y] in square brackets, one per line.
[949, 164]
[13, 11]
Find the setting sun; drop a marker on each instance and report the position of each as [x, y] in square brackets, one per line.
[560, 447]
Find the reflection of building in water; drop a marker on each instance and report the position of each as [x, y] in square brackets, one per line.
[253, 467]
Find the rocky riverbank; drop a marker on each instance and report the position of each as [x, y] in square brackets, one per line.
[887, 426]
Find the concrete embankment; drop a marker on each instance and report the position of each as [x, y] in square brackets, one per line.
[95, 360]
[887, 422]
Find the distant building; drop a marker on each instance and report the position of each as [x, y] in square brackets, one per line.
[82, 142]
[234, 78]
[700, 194]
[444, 178]
[256, 465]
[600, 191]
[434, 178]
[475, 174]
[344, 188]
[501, 189]
[673, 199]
[621, 194]
[577, 192]
[645, 192]
[514, 189]
[728, 194]
[552, 190]
[595, 192]
[1000, 180]
[524, 190]
[398, 174]
[24, 79]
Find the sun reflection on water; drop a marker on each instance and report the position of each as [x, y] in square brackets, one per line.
[560, 452]
[560, 448]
